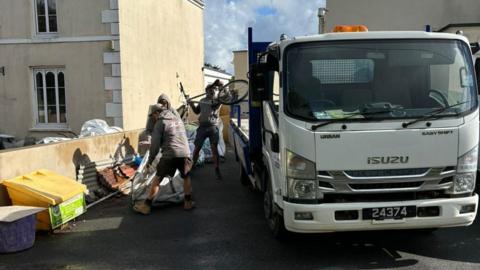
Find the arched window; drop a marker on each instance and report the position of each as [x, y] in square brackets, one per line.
[50, 97]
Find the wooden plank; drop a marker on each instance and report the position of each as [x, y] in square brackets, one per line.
[12, 213]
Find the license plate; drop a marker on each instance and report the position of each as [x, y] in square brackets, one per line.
[393, 212]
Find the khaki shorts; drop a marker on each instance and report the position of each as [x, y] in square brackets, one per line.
[168, 167]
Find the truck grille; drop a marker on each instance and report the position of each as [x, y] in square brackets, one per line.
[386, 185]
[387, 173]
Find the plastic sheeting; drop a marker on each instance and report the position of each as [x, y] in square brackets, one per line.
[97, 127]
[206, 151]
[171, 188]
[47, 140]
[9, 141]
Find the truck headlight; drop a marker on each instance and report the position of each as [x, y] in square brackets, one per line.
[299, 167]
[302, 189]
[301, 174]
[464, 180]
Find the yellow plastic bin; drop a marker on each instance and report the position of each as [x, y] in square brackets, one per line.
[62, 196]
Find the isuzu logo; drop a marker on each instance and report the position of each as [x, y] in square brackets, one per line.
[388, 160]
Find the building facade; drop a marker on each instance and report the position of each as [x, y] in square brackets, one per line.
[391, 15]
[410, 15]
[63, 62]
[211, 75]
[240, 64]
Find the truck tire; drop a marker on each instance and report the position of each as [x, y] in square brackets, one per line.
[244, 179]
[274, 218]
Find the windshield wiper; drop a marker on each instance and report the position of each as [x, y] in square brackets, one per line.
[363, 112]
[432, 114]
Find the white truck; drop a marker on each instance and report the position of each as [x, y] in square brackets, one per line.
[353, 131]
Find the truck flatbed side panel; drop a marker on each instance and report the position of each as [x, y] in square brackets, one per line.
[241, 142]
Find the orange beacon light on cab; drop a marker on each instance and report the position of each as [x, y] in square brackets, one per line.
[350, 28]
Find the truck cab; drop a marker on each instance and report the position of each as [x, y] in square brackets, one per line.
[364, 131]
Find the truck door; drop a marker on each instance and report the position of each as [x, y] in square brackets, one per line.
[270, 134]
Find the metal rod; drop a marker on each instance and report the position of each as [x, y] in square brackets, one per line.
[103, 199]
[201, 95]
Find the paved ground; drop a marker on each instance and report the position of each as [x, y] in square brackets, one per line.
[227, 231]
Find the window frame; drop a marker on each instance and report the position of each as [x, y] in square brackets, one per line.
[37, 125]
[47, 33]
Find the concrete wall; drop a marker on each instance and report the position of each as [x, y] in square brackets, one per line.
[402, 15]
[84, 80]
[16, 19]
[158, 40]
[75, 18]
[63, 157]
[240, 65]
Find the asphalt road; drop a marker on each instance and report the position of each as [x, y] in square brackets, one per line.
[227, 231]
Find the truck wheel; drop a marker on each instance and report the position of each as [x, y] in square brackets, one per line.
[244, 179]
[274, 219]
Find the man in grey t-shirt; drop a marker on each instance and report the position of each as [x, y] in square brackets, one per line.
[209, 111]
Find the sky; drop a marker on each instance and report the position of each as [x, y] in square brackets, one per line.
[226, 23]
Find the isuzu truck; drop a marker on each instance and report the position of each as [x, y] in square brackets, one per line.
[355, 130]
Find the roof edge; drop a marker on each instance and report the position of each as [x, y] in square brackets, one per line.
[457, 25]
[216, 70]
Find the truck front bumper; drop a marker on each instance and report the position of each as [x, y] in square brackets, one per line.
[324, 216]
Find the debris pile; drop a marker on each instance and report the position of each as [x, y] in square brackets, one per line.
[117, 177]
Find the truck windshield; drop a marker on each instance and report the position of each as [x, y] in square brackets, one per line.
[394, 78]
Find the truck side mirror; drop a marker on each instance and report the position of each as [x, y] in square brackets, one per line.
[258, 82]
[275, 143]
[475, 47]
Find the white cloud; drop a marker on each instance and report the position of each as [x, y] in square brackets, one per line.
[226, 23]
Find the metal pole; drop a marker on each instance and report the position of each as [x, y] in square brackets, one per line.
[321, 20]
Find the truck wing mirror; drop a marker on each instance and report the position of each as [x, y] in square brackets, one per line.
[475, 47]
[258, 82]
[275, 143]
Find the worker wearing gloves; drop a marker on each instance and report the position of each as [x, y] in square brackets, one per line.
[209, 110]
[170, 136]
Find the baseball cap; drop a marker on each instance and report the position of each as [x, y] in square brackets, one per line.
[156, 108]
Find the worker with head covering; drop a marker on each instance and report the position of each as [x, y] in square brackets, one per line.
[169, 137]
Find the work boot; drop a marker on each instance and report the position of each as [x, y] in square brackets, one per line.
[188, 203]
[142, 207]
[218, 175]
